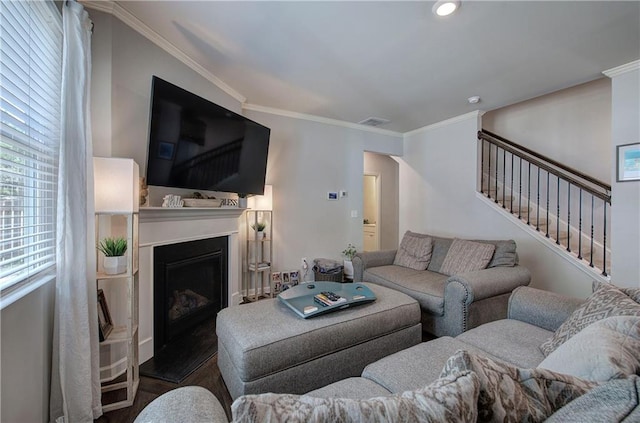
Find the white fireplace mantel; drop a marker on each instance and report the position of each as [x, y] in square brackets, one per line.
[165, 226]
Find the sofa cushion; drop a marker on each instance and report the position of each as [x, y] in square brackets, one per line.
[440, 249]
[602, 351]
[416, 366]
[614, 401]
[351, 387]
[508, 393]
[605, 301]
[505, 254]
[466, 256]
[414, 251]
[509, 340]
[452, 399]
[424, 286]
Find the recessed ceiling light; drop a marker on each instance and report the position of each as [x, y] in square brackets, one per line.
[445, 7]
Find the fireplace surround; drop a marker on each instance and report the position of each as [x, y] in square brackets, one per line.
[169, 226]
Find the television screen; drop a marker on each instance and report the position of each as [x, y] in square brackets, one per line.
[196, 144]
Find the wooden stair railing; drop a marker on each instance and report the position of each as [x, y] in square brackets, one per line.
[568, 206]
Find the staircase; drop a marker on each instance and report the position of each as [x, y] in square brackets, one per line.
[563, 205]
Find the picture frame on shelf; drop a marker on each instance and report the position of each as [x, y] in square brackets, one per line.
[105, 324]
[628, 162]
[294, 277]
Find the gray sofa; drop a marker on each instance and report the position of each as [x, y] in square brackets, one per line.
[533, 316]
[450, 304]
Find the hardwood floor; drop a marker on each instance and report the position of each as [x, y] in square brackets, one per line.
[207, 376]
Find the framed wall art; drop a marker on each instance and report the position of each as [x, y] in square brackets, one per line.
[628, 162]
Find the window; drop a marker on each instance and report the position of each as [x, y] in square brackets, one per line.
[30, 90]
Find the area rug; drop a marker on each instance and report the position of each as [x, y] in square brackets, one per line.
[184, 355]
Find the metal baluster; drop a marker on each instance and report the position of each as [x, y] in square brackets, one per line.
[580, 226]
[558, 213]
[504, 175]
[529, 195]
[520, 190]
[547, 232]
[497, 166]
[489, 173]
[592, 207]
[538, 203]
[568, 216]
[604, 241]
[511, 202]
[481, 164]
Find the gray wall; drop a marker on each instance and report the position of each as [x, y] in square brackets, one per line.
[25, 356]
[626, 195]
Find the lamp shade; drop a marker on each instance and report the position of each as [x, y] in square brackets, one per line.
[264, 201]
[116, 185]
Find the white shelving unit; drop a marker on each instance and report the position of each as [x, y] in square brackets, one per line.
[119, 358]
[258, 255]
[117, 199]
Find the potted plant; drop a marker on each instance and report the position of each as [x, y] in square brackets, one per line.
[259, 227]
[349, 252]
[113, 249]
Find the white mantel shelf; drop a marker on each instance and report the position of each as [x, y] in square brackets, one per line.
[157, 214]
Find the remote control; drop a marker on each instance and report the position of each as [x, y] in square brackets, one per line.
[331, 295]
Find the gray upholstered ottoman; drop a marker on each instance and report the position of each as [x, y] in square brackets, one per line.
[266, 347]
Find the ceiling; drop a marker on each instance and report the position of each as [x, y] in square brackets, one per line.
[397, 60]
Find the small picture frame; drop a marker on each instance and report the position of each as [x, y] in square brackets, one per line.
[105, 324]
[166, 150]
[285, 277]
[332, 196]
[294, 277]
[628, 162]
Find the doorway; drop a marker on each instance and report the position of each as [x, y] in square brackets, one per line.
[380, 211]
[371, 212]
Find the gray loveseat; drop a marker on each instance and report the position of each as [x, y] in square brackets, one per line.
[450, 304]
[533, 316]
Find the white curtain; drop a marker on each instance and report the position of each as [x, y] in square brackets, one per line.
[75, 379]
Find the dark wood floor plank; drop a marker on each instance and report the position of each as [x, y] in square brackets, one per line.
[207, 376]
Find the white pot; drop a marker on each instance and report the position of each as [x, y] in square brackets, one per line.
[115, 265]
[348, 269]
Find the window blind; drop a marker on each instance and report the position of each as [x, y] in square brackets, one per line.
[30, 91]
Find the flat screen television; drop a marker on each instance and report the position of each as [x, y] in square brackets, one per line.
[199, 145]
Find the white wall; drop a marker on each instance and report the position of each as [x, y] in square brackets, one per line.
[25, 356]
[572, 126]
[306, 160]
[438, 196]
[625, 207]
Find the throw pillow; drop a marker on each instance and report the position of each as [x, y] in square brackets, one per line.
[614, 401]
[466, 256]
[451, 399]
[414, 251]
[504, 255]
[606, 301]
[508, 393]
[602, 351]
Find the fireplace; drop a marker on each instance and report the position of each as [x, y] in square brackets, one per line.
[190, 285]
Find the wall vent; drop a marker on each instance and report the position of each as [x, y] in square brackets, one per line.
[374, 121]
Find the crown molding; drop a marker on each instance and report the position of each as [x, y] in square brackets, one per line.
[476, 114]
[619, 70]
[114, 9]
[319, 119]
